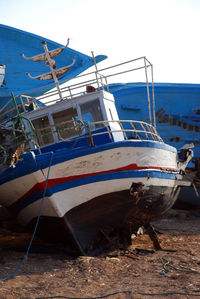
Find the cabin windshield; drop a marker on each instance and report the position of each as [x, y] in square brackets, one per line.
[64, 123]
[91, 112]
[43, 130]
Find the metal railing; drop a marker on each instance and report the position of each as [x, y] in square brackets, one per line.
[76, 130]
[78, 87]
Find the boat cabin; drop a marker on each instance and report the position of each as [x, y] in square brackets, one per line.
[75, 118]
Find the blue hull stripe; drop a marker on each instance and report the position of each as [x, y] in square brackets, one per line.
[16, 208]
[29, 165]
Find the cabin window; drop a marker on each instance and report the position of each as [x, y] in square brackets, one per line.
[91, 112]
[43, 130]
[64, 122]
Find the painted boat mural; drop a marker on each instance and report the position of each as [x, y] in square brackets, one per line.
[90, 178]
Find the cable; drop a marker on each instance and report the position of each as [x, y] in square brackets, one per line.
[35, 229]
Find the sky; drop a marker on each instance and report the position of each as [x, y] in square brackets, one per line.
[165, 31]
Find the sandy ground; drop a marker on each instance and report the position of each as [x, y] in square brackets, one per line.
[134, 272]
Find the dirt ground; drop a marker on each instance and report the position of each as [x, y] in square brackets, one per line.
[135, 272]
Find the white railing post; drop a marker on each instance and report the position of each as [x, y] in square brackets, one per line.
[148, 94]
[95, 68]
[154, 114]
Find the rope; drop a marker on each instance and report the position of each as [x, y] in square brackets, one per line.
[124, 292]
[4, 158]
[180, 269]
[35, 229]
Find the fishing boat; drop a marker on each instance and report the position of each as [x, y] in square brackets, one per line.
[90, 178]
[18, 52]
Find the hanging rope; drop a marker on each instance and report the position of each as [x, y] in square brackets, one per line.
[35, 229]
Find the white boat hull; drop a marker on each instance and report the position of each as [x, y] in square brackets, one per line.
[96, 182]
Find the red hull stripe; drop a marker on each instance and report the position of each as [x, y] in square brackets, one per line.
[52, 182]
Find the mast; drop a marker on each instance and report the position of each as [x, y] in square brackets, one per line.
[51, 64]
[54, 73]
